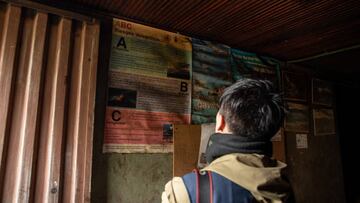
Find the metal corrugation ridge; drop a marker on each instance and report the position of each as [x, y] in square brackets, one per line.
[48, 66]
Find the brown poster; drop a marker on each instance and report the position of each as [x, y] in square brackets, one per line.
[324, 122]
[295, 86]
[297, 119]
[322, 92]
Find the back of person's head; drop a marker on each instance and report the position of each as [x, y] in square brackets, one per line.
[252, 108]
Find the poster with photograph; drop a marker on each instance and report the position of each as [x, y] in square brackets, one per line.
[322, 92]
[250, 65]
[206, 131]
[211, 75]
[324, 122]
[295, 86]
[297, 119]
[149, 88]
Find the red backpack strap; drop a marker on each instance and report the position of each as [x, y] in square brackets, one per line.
[211, 186]
[204, 186]
[196, 171]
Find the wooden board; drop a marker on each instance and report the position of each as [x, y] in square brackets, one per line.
[186, 148]
[279, 150]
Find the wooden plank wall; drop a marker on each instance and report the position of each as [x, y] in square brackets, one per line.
[48, 68]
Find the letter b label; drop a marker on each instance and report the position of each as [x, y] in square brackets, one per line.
[183, 87]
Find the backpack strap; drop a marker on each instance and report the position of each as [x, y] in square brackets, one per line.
[204, 186]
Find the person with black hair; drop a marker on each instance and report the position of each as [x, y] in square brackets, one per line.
[239, 153]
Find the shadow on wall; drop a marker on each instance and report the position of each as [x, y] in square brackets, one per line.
[348, 112]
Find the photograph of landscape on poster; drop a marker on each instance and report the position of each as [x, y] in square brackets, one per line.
[297, 119]
[211, 75]
[322, 92]
[295, 86]
[250, 65]
[324, 122]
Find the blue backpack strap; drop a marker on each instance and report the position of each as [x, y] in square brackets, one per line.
[190, 184]
[220, 189]
[205, 189]
[210, 189]
[199, 186]
[227, 191]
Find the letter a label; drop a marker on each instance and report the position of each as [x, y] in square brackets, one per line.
[121, 43]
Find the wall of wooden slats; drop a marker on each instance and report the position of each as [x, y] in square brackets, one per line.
[48, 79]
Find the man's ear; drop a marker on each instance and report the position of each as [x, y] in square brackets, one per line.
[220, 123]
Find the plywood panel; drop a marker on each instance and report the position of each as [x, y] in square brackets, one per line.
[186, 148]
[315, 172]
[279, 150]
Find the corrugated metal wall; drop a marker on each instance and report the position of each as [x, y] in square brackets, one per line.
[48, 79]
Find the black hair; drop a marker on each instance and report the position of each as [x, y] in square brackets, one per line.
[252, 108]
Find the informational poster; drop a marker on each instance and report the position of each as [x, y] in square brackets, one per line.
[295, 86]
[212, 73]
[324, 122]
[322, 92]
[250, 65]
[149, 88]
[297, 119]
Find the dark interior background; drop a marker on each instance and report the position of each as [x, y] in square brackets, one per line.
[321, 36]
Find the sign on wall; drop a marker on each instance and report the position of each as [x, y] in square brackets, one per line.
[217, 66]
[297, 118]
[324, 121]
[212, 73]
[149, 88]
[295, 86]
[322, 92]
[251, 65]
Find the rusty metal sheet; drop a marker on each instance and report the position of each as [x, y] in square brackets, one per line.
[48, 66]
[9, 26]
[81, 114]
[19, 161]
[50, 156]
